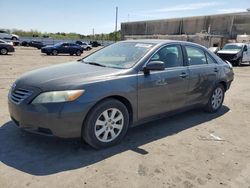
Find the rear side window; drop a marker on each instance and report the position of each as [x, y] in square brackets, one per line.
[170, 55]
[195, 56]
[210, 60]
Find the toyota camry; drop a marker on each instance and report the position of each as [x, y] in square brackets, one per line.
[100, 96]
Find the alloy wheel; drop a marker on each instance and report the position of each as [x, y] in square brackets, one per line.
[109, 125]
[217, 98]
[4, 51]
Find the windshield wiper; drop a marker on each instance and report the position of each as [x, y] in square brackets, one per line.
[94, 63]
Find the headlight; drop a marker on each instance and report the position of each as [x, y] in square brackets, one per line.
[58, 96]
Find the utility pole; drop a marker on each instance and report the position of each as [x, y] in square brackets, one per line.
[93, 33]
[116, 19]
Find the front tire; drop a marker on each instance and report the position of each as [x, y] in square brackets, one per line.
[78, 52]
[54, 52]
[3, 51]
[106, 124]
[239, 62]
[216, 99]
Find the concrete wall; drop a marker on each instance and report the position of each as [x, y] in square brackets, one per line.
[228, 25]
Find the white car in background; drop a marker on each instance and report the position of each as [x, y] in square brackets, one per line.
[235, 53]
[6, 35]
[84, 45]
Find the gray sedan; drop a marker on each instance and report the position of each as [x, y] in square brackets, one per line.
[100, 96]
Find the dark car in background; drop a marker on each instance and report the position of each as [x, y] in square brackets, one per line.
[36, 44]
[100, 96]
[63, 48]
[33, 43]
[94, 43]
[6, 47]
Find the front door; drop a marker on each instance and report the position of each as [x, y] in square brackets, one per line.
[163, 91]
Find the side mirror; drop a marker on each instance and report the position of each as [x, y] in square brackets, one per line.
[154, 66]
[245, 49]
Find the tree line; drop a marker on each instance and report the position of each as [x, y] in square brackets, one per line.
[62, 35]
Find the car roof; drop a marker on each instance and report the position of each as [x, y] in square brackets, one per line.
[162, 42]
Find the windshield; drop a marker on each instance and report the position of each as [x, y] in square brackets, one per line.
[232, 47]
[120, 55]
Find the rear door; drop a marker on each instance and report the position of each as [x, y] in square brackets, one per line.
[163, 91]
[204, 72]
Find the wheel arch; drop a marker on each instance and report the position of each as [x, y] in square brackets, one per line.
[121, 99]
[224, 84]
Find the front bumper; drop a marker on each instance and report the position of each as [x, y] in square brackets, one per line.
[62, 120]
[11, 49]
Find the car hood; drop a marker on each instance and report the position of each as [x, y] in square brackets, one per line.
[66, 76]
[228, 51]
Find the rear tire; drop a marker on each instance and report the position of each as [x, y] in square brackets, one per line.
[216, 99]
[3, 51]
[106, 124]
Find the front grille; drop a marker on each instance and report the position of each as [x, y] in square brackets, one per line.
[227, 57]
[18, 95]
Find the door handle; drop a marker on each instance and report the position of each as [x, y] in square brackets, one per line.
[215, 70]
[184, 75]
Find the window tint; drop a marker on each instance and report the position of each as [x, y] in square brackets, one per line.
[195, 56]
[210, 60]
[170, 55]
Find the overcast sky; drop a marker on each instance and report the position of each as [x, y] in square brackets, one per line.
[82, 16]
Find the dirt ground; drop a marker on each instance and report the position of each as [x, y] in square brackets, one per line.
[193, 149]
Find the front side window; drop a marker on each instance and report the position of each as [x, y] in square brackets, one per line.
[121, 55]
[170, 55]
[195, 56]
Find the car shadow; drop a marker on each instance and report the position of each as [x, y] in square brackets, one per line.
[41, 156]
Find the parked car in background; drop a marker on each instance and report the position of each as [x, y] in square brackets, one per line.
[235, 53]
[94, 43]
[214, 49]
[63, 48]
[6, 35]
[33, 43]
[84, 45]
[36, 44]
[6, 47]
[100, 96]
[24, 43]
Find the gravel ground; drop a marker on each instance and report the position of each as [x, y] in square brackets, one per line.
[192, 149]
